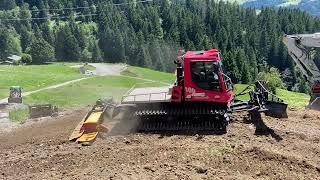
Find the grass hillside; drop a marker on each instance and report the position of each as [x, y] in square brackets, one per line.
[149, 74]
[35, 77]
[86, 92]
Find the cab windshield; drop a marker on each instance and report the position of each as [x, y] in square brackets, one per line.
[205, 75]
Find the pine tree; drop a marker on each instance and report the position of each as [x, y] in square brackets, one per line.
[41, 51]
[67, 48]
[9, 43]
[242, 62]
[25, 14]
[96, 53]
[230, 67]
[253, 63]
[47, 33]
[43, 13]
[26, 38]
[7, 4]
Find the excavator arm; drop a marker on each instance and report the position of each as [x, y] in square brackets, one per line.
[300, 48]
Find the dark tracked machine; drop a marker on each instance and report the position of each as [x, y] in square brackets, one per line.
[201, 99]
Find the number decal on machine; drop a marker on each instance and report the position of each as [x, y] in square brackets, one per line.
[192, 93]
[190, 90]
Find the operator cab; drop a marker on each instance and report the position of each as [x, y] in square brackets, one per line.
[203, 77]
[205, 74]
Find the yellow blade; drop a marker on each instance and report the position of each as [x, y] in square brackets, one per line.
[77, 132]
[87, 137]
[94, 117]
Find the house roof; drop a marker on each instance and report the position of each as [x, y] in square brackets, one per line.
[14, 57]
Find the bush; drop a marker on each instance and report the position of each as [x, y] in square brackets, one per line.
[273, 79]
[26, 58]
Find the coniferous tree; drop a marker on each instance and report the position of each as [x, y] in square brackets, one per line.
[96, 53]
[9, 43]
[67, 47]
[26, 38]
[41, 51]
[47, 33]
[7, 4]
[230, 66]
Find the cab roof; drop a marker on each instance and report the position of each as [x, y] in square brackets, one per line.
[212, 54]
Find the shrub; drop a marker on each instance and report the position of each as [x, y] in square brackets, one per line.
[26, 58]
[273, 79]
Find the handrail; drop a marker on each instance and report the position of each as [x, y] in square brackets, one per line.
[146, 94]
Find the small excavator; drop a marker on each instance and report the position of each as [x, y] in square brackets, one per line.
[301, 49]
[201, 99]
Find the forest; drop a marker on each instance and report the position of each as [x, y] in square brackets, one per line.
[151, 33]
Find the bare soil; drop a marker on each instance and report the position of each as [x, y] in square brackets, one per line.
[290, 149]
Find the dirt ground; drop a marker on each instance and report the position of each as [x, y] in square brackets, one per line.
[290, 150]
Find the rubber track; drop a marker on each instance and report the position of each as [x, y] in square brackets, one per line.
[182, 119]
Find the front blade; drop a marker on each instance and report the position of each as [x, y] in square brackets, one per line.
[276, 109]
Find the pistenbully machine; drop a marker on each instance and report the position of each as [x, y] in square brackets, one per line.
[201, 99]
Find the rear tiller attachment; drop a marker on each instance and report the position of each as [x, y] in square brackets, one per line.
[261, 100]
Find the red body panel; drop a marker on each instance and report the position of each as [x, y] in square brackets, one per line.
[316, 89]
[176, 94]
[192, 92]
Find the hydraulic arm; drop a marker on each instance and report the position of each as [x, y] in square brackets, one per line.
[300, 48]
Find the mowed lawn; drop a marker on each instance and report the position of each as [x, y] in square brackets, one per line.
[35, 77]
[86, 92]
[294, 99]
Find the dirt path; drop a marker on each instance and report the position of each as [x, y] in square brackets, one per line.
[41, 151]
[116, 69]
[108, 69]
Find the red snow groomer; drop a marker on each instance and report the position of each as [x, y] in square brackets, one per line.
[199, 100]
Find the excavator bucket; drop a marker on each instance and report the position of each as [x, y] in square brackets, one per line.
[314, 104]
